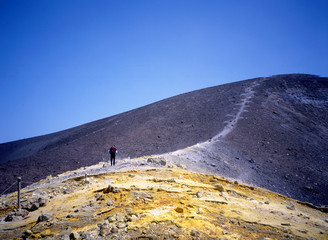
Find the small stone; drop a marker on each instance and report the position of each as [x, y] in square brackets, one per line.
[267, 202]
[22, 212]
[199, 194]
[98, 196]
[108, 189]
[132, 218]
[163, 162]
[179, 210]
[147, 200]
[116, 190]
[233, 221]
[120, 217]
[111, 218]
[309, 188]
[104, 229]
[290, 205]
[42, 201]
[219, 187]
[285, 224]
[64, 237]
[326, 220]
[110, 202]
[224, 232]
[200, 211]
[114, 230]
[194, 233]
[44, 217]
[120, 225]
[26, 234]
[74, 236]
[35, 206]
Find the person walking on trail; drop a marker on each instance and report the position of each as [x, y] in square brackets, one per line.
[112, 151]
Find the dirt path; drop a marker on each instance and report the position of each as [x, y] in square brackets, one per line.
[247, 96]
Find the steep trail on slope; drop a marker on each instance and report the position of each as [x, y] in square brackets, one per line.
[231, 124]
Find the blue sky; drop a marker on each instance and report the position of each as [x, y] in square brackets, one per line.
[66, 63]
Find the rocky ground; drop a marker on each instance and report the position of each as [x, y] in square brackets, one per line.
[155, 197]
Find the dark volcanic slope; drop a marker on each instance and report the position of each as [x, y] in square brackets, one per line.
[282, 136]
[283, 133]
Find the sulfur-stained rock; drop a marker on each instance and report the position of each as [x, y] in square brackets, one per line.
[213, 180]
[219, 187]
[200, 211]
[111, 218]
[132, 218]
[179, 210]
[199, 194]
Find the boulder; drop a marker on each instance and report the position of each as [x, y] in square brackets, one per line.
[111, 189]
[44, 217]
[16, 215]
[35, 206]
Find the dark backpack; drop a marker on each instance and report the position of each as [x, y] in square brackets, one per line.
[112, 150]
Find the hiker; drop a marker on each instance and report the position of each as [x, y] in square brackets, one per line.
[112, 151]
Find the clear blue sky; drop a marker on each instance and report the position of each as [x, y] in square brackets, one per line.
[65, 63]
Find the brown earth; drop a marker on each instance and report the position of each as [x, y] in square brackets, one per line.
[270, 132]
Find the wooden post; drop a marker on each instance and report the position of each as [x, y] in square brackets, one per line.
[19, 188]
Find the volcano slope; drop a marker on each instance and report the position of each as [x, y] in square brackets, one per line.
[270, 132]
